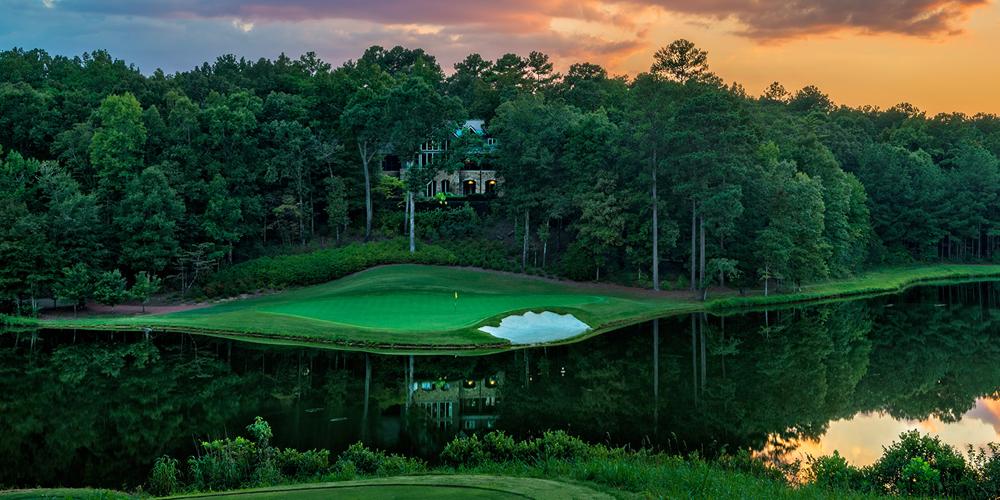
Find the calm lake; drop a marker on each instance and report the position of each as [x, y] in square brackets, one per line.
[96, 408]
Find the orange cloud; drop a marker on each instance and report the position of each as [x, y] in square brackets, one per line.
[781, 19]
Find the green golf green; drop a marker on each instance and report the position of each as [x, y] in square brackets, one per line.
[422, 310]
[402, 306]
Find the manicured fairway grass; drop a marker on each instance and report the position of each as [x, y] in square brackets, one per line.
[422, 487]
[412, 308]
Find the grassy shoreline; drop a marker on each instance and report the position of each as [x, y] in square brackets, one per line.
[282, 319]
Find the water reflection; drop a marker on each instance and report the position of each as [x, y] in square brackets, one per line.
[96, 408]
[860, 439]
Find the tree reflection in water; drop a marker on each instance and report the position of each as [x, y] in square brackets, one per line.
[96, 408]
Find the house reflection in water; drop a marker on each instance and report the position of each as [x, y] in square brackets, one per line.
[468, 405]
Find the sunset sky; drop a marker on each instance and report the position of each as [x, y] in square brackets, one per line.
[940, 55]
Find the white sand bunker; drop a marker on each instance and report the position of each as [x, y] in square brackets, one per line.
[534, 328]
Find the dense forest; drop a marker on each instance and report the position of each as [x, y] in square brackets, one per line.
[671, 178]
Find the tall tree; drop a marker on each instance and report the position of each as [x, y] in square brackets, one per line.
[650, 114]
[420, 115]
[366, 121]
[532, 133]
[116, 149]
[147, 219]
[680, 61]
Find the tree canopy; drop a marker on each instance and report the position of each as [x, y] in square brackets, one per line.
[664, 176]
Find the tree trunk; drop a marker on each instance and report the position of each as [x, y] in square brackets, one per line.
[656, 232]
[694, 247]
[701, 258]
[368, 191]
[406, 213]
[545, 252]
[722, 275]
[527, 230]
[413, 233]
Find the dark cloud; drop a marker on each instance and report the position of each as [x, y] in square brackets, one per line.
[177, 34]
[778, 19]
[509, 15]
[761, 19]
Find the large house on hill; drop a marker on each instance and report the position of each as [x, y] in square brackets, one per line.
[471, 179]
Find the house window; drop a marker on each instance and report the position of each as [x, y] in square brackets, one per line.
[469, 187]
[490, 141]
[426, 159]
[491, 186]
[430, 189]
[445, 186]
[391, 163]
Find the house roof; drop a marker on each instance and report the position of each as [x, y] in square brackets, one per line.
[473, 125]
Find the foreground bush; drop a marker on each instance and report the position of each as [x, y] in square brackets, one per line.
[319, 266]
[922, 465]
[915, 465]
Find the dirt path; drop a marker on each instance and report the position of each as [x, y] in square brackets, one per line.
[95, 309]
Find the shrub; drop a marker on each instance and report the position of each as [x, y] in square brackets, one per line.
[561, 446]
[233, 463]
[302, 464]
[447, 223]
[365, 461]
[464, 451]
[487, 254]
[919, 478]
[397, 465]
[261, 432]
[163, 479]
[985, 463]
[499, 447]
[833, 472]
[888, 472]
[319, 266]
[361, 460]
[224, 464]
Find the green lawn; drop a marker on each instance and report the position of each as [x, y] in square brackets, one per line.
[412, 308]
[421, 487]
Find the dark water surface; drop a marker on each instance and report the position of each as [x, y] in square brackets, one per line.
[95, 408]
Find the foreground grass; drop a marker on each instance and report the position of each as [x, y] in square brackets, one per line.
[414, 308]
[563, 480]
[64, 494]
[457, 486]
